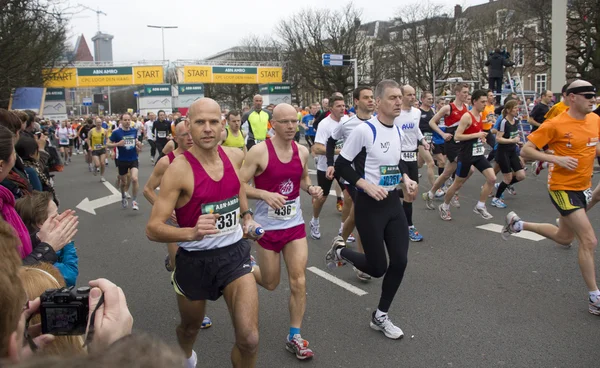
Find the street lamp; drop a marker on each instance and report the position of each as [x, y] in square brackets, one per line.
[163, 35]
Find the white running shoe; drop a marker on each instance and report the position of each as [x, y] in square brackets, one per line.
[483, 212]
[127, 195]
[102, 179]
[509, 221]
[134, 206]
[385, 325]
[454, 201]
[315, 232]
[332, 260]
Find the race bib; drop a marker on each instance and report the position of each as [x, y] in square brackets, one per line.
[514, 134]
[161, 134]
[588, 195]
[409, 156]
[229, 209]
[98, 147]
[287, 212]
[63, 141]
[389, 176]
[428, 137]
[478, 149]
[129, 142]
[339, 144]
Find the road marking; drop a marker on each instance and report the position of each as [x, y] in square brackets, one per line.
[338, 282]
[523, 234]
[91, 206]
[112, 189]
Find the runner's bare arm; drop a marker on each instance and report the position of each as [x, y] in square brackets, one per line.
[171, 188]
[305, 182]
[435, 120]
[154, 180]
[319, 149]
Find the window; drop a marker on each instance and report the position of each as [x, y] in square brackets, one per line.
[519, 55]
[460, 65]
[540, 83]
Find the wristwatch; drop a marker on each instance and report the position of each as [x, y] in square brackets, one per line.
[248, 211]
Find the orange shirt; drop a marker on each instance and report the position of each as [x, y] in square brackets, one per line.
[574, 138]
[556, 110]
[489, 109]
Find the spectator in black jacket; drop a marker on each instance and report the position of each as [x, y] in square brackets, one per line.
[496, 64]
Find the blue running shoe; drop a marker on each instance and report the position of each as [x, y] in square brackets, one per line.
[414, 235]
[206, 323]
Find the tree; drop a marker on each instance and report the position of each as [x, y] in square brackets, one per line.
[424, 44]
[32, 37]
[305, 36]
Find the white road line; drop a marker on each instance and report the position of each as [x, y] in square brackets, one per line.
[338, 282]
[523, 234]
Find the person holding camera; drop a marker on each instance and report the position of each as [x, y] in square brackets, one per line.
[496, 63]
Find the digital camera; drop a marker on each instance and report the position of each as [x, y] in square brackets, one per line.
[65, 311]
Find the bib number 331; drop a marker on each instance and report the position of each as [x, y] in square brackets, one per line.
[229, 209]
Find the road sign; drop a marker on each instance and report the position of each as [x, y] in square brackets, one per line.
[327, 62]
[87, 101]
[336, 57]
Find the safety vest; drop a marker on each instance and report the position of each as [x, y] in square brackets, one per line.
[258, 124]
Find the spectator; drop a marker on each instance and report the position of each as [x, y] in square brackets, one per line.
[16, 181]
[36, 279]
[34, 211]
[496, 64]
[27, 148]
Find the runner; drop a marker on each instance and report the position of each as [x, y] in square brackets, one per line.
[374, 148]
[204, 190]
[412, 137]
[84, 134]
[452, 113]
[471, 137]
[425, 156]
[150, 136]
[573, 137]
[63, 135]
[279, 169]
[488, 119]
[325, 174]
[308, 120]
[125, 139]
[507, 157]
[161, 129]
[438, 152]
[232, 135]
[97, 141]
[258, 121]
[364, 105]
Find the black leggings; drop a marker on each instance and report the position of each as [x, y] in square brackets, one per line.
[381, 225]
[310, 140]
[152, 148]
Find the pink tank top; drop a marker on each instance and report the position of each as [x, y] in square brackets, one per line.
[282, 178]
[211, 196]
[171, 156]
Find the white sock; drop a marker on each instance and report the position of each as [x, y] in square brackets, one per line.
[315, 220]
[594, 295]
[430, 194]
[545, 165]
[342, 226]
[518, 226]
[379, 314]
[445, 205]
[191, 361]
[480, 204]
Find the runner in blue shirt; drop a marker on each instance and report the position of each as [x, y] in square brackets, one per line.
[307, 121]
[125, 139]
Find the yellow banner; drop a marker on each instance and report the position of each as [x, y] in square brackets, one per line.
[234, 78]
[197, 74]
[270, 75]
[148, 75]
[105, 80]
[66, 77]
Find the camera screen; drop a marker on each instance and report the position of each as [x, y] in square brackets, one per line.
[61, 319]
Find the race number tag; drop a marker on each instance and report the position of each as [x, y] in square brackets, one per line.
[229, 209]
[514, 134]
[129, 142]
[97, 147]
[161, 134]
[64, 141]
[339, 144]
[409, 156]
[588, 195]
[478, 148]
[287, 212]
[390, 176]
[428, 137]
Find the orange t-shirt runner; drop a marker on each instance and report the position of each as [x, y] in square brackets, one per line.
[567, 136]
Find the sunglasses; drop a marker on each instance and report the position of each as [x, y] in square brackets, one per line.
[588, 96]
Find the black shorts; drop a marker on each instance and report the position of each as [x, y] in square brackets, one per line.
[438, 149]
[464, 165]
[413, 170]
[71, 142]
[85, 146]
[508, 160]
[64, 146]
[569, 201]
[451, 148]
[325, 183]
[203, 275]
[99, 152]
[125, 166]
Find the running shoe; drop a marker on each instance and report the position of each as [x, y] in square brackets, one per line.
[124, 202]
[134, 205]
[444, 214]
[206, 323]
[537, 166]
[509, 222]
[351, 238]
[315, 230]
[127, 195]
[440, 192]
[454, 201]
[168, 264]
[511, 190]
[594, 307]
[362, 276]
[102, 179]
[340, 205]
[297, 345]
[152, 159]
[332, 260]
[428, 201]
[90, 167]
[498, 203]
[483, 212]
[385, 325]
[414, 235]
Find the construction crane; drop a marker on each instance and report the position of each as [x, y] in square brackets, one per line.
[97, 11]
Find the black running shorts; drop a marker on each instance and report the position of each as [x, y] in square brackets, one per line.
[569, 201]
[125, 166]
[508, 160]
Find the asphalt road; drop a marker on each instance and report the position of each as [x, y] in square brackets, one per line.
[469, 299]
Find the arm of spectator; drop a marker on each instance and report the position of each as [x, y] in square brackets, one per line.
[34, 179]
[68, 264]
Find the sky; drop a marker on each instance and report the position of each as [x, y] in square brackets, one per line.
[205, 27]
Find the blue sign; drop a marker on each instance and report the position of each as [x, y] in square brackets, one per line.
[336, 57]
[136, 94]
[86, 101]
[327, 62]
